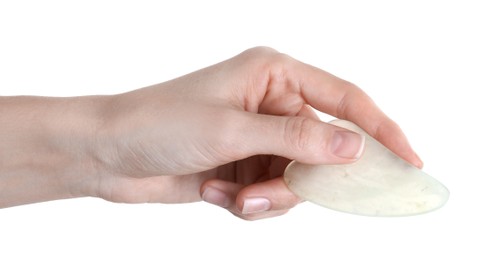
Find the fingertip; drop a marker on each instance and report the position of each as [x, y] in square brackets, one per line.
[270, 195]
[417, 161]
[391, 135]
[257, 201]
[220, 193]
[216, 197]
[413, 159]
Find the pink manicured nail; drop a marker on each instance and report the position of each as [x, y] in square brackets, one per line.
[347, 144]
[255, 205]
[216, 197]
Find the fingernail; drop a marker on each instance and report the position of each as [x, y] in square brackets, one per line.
[419, 163]
[348, 145]
[216, 197]
[255, 205]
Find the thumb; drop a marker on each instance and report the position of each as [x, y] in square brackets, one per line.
[303, 139]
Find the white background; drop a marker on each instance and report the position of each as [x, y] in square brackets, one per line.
[423, 62]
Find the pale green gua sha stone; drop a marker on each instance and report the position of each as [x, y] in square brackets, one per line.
[378, 184]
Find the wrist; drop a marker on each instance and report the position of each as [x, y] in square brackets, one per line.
[46, 148]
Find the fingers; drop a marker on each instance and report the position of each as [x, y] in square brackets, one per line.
[300, 138]
[261, 200]
[157, 189]
[389, 134]
[344, 100]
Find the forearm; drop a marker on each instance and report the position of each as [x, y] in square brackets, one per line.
[45, 147]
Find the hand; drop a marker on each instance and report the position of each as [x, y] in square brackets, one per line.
[226, 133]
[223, 134]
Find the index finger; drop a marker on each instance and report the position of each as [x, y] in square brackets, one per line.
[342, 99]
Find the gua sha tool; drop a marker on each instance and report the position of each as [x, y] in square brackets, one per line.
[378, 184]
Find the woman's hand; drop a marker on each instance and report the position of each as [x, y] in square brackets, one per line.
[226, 133]
[223, 134]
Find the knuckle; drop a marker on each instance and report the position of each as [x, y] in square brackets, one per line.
[260, 51]
[353, 98]
[266, 57]
[299, 132]
[266, 65]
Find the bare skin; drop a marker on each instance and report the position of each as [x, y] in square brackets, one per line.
[223, 134]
